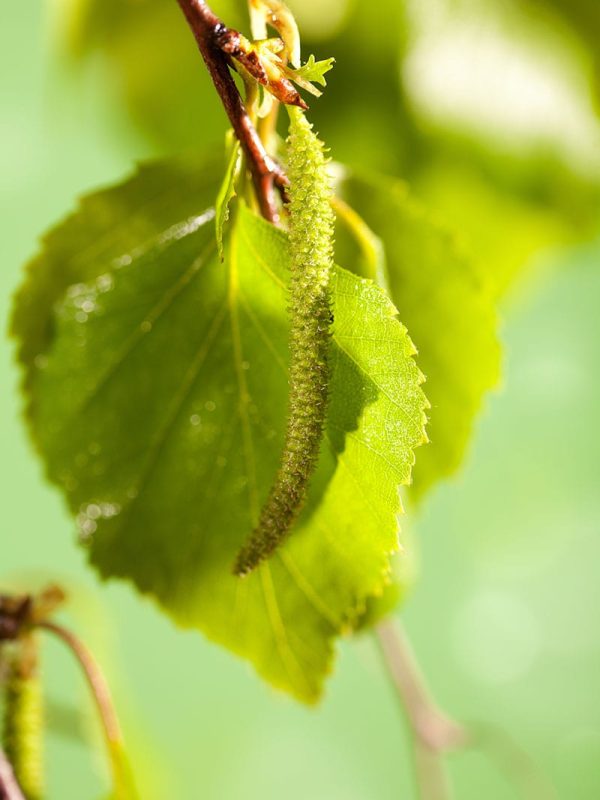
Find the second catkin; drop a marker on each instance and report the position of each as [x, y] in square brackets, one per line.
[23, 717]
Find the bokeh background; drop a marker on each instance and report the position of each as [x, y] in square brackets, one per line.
[488, 109]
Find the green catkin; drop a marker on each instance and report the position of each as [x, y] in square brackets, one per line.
[23, 721]
[311, 227]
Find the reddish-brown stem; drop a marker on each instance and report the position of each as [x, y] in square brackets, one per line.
[9, 788]
[210, 33]
[94, 677]
[123, 780]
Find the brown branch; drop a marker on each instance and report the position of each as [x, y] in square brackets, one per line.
[212, 36]
[9, 788]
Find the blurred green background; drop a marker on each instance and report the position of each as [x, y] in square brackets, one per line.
[505, 618]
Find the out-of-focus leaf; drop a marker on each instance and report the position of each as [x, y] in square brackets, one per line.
[506, 210]
[583, 17]
[484, 215]
[157, 385]
[154, 63]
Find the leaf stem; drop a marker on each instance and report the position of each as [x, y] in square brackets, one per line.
[211, 34]
[369, 244]
[512, 761]
[267, 126]
[122, 778]
[434, 733]
[9, 788]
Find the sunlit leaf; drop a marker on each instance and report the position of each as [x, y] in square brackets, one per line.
[448, 308]
[157, 384]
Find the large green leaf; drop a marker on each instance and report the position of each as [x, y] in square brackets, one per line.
[447, 306]
[157, 385]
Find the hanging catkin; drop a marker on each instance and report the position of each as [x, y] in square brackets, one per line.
[311, 223]
[23, 719]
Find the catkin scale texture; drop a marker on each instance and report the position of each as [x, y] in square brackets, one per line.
[311, 225]
[22, 729]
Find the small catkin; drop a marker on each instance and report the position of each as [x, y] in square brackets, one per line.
[23, 725]
[311, 230]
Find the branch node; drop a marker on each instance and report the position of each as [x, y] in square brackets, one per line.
[217, 44]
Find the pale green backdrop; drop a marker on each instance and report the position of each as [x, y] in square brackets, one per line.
[505, 619]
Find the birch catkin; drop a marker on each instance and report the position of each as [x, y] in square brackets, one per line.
[311, 222]
[23, 720]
